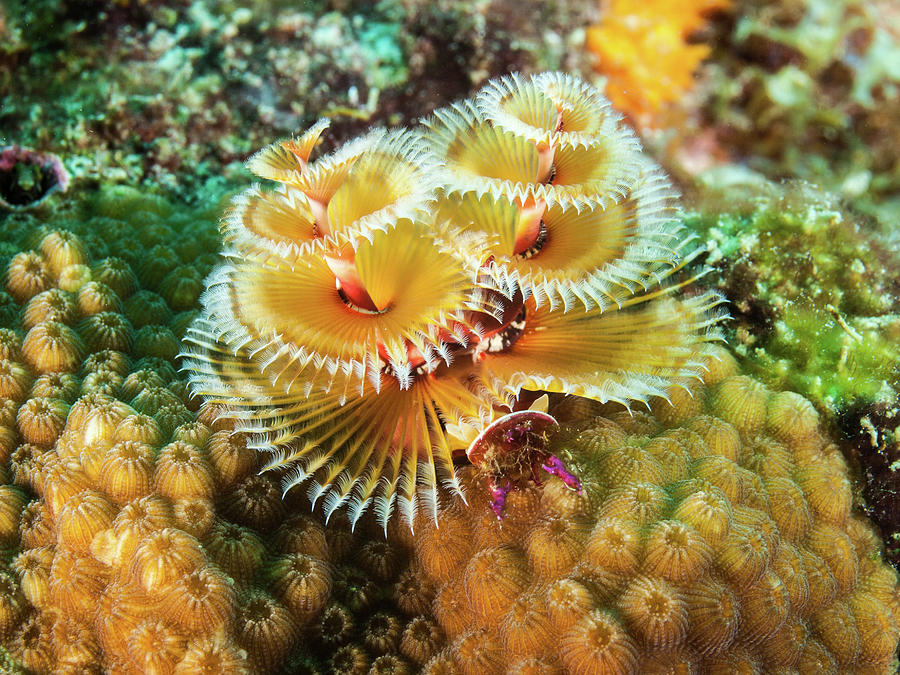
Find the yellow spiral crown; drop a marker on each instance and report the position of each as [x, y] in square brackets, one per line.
[380, 306]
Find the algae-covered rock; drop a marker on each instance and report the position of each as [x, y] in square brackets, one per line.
[816, 308]
[810, 89]
[814, 293]
[179, 94]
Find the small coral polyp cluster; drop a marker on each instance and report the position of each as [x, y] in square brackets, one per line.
[715, 537]
[643, 49]
[135, 536]
[383, 304]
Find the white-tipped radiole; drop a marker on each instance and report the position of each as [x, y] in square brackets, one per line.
[380, 307]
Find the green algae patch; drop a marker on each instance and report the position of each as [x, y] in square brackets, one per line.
[813, 291]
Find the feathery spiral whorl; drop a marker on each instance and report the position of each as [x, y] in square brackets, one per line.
[380, 306]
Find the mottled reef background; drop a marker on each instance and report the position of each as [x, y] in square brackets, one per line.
[783, 135]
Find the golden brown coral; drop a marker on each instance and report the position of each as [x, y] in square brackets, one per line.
[493, 578]
[132, 524]
[12, 604]
[164, 557]
[62, 248]
[526, 630]
[452, 609]
[335, 626]
[155, 647]
[256, 502]
[350, 660]
[719, 569]
[52, 347]
[740, 401]
[598, 643]
[50, 305]
[238, 550]
[381, 633]
[443, 550]
[212, 656]
[12, 503]
[555, 544]
[201, 601]
[301, 534]
[95, 297]
[195, 515]
[266, 629]
[76, 580]
[14, 380]
[32, 567]
[478, 651]
[182, 470]
[40, 420]
[420, 640]
[656, 612]
[33, 643]
[62, 386]
[36, 526]
[27, 275]
[567, 602]
[117, 274]
[302, 582]
[106, 330]
[82, 517]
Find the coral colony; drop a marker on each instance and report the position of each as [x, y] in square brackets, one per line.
[383, 307]
[715, 533]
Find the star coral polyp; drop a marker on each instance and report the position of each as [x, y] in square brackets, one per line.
[674, 568]
[379, 307]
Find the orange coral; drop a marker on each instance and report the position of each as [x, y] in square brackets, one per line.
[707, 566]
[643, 49]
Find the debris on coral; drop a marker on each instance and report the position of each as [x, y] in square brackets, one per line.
[28, 177]
[384, 304]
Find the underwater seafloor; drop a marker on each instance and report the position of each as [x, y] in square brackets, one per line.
[751, 526]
